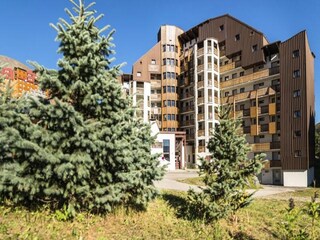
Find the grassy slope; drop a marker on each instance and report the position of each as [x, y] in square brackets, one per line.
[160, 221]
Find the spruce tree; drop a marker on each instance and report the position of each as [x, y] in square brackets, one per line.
[91, 152]
[226, 174]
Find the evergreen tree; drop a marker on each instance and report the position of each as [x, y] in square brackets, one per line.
[226, 174]
[91, 153]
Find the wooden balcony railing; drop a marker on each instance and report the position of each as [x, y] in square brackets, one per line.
[201, 133]
[201, 149]
[260, 147]
[200, 117]
[272, 127]
[227, 67]
[244, 79]
[201, 100]
[255, 130]
[200, 52]
[255, 111]
[200, 84]
[272, 109]
[155, 96]
[187, 123]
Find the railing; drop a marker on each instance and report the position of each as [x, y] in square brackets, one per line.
[155, 96]
[274, 70]
[201, 100]
[201, 133]
[200, 117]
[187, 95]
[244, 79]
[260, 147]
[201, 149]
[187, 123]
[255, 111]
[227, 67]
[200, 67]
[255, 130]
[190, 137]
[272, 109]
[272, 127]
[187, 109]
[140, 91]
[275, 145]
[201, 84]
[264, 127]
[200, 52]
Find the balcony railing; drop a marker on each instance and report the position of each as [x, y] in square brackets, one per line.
[227, 67]
[201, 133]
[201, 100]
[200, 67]
[274, 70]
[155, 96]
[187, 109]
[255, 130]
[187, 123]
[260, 147]
[255, 111]
[272, 127]
[244, 79]
[201, 149]
[200, 52]
[190, 137]
[201, 84]
[200, 117]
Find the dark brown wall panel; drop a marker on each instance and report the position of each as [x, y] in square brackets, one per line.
[289, 104]
[232, 27]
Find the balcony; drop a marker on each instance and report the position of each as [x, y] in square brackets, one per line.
[187, 123]
[201, 149]
[200, 52]
[200, 117]
[236, 114]
[246, 112]
[200, 84]
[187, 109]
[260, 147]
[264, 127]
[200, 100]
[227, 67]
[245, 79]
[186, 95]
[275, 145]
[272, 109]
[272, 127]
[247, 130]
[275, 163]
[201, 133]
[274, 70]
[255, 111]
[200, 68]
[190, 137]
[255, 130]
[267, 91]
[156, 97]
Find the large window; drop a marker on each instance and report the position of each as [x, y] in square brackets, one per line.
[296, 73]
[297, 114]
[295, 53]
[296, 93]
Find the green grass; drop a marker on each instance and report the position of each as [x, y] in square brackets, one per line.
[161, 220]
[198, 181]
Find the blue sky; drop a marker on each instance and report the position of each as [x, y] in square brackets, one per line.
[26, 35]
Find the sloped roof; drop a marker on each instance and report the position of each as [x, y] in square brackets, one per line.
[11, 63]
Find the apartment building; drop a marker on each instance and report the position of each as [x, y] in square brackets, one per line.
[22, 78]
[270, 86]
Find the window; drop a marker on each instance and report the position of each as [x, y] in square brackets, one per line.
[297, 133]
[234, 91]
[226, 94]
[164, 48]
[297, 153]
[166, 145]
[164, 89]
[254, 48]
[242, 107]
[237, 37]
[154, 76]
[138, 74]
[251, 33]
[296, 93]
[221, 28]
[226, 78]
[295, 53]
[241, 90]
[241, 74]
[153, 61]
[173, 89]
[296, 73]
[234, 75]
[297, 114]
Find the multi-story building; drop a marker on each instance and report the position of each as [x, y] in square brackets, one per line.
[186, 75]
[22, 78]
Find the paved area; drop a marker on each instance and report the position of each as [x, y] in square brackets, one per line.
[170, 182]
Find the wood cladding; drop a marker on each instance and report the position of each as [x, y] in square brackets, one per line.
[247, 38]
[297, 113]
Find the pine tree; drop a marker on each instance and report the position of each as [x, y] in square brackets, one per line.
[226, 174]
[91, 153]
